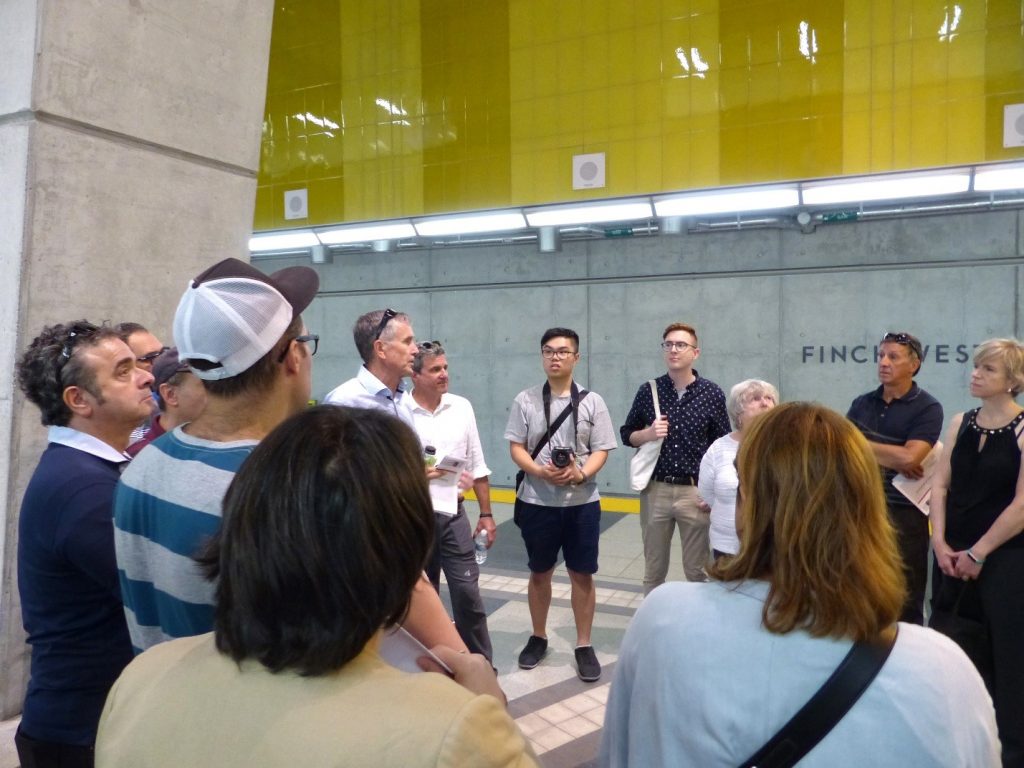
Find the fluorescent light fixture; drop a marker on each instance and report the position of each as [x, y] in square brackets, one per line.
[886, 188]
[996, 179]
[498, 221]
[365, 233]
[283, 241]
[737, 201]
[594, 213]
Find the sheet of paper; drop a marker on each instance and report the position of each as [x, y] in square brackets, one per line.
[919, 492]
[444, 490]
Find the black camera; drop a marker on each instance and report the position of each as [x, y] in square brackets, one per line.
[561, 457]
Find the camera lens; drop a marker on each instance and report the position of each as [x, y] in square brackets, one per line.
[561, 457]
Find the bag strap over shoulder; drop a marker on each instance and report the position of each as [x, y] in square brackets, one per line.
[826, 707]
[654, 395]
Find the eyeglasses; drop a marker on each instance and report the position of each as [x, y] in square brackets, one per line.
[669, 346]
[151, 356]
[306, 339]
[905, 339]
[78, 331]
[387, 317]
[429, 346]
[556, 354]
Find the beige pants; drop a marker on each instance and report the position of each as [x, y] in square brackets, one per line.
[662, 508]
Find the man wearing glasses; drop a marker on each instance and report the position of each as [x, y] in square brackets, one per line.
[447, 422]
[902, 422]
[693, 416]
[91, 393]
[558, 506]
[147, 348]
[387, 345]
[241, 333]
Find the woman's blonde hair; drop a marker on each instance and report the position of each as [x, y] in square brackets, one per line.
[813, 523]
[1010, 353]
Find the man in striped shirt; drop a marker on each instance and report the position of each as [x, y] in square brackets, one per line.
[242, 334]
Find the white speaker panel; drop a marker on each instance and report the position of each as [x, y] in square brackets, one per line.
[588, 171]
[296, 204]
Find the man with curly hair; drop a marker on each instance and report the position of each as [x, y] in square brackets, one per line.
[91, 394]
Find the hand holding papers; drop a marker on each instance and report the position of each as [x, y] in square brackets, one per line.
[444, 490]
[919, 491]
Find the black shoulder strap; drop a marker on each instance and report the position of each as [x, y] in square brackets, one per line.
[965, 422]
[826, 707]
[575, 396]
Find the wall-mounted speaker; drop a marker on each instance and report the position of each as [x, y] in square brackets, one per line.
[1013, 125]
[296, 204]
[588, 171]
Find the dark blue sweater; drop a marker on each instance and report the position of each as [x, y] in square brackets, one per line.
[70, 598]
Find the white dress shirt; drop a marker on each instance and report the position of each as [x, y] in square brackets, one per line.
[367, 391]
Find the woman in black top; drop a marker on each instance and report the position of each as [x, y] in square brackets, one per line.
[977, 515]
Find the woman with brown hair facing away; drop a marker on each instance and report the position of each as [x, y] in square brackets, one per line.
[326, 530]
[708, 673]
[977, 514]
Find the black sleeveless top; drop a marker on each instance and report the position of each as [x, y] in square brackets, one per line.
[982, 482]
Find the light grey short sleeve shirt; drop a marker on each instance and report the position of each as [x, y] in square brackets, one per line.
[594, 432]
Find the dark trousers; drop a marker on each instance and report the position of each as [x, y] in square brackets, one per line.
[453, 552]
[913, 540]
[47, 754]
[998, 602]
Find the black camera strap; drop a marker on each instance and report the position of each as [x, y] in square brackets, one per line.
[575, 395]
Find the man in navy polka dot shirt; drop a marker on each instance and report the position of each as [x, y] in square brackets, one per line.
[693, 415]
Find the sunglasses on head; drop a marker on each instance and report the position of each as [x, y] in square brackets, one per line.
[905, 339]
[387, 317]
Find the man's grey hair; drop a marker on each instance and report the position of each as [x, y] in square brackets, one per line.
[427, 349]
[742, 393]
[364, 332]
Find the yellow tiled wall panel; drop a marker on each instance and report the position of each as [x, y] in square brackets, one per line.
[409, 107]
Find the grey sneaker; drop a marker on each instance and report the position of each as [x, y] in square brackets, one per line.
[535, 650]
[588, 668]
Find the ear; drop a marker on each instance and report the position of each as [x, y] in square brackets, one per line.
[169, 394]
[293, 357]
[378, 349]
[78, 401]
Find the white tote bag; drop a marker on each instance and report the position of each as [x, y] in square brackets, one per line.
[641, 466]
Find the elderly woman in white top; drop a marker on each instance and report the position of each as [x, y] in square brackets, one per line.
[717, 481]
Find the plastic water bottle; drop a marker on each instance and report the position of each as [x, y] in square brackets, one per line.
[480, 547]
[429, 456]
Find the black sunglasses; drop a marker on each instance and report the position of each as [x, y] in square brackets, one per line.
[905, 339]
[429, 346]
[305, 339]
[151, 356]
[78, 332]
[388, 316]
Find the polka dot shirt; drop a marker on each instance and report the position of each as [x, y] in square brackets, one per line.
[696, 418]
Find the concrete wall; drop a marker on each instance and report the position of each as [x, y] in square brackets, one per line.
[129, 144]
[769, 304]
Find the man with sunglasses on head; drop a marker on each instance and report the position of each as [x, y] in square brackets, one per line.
[91, 393]
[693, 416]
[901, 423]
[387, 345]
[241, 333]
[447, 422]
[559, 436]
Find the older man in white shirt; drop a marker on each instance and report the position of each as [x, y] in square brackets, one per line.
[447, 422]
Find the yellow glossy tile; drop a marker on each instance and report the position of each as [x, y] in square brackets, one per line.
[595, 17]
[570, 126]
[595, 54]
[648, 164]
[595, 110]
[675, 160]
[570, 73]
[621, 168]
[647, 109]
[857, 24]
[620, 57]
[965, 133]
[545, 69]
[326, 197]
[856, 142]
[263, 211]
[705, 159]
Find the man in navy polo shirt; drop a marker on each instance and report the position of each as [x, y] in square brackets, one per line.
[902, 422]
[91, 394]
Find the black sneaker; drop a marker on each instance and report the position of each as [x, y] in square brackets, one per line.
[588, 668]
[535, 650]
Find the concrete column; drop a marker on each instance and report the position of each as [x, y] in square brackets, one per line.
[129, 145]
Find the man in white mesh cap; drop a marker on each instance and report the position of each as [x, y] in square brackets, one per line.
[241, 332]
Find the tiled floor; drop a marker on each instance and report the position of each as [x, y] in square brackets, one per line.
[561, 715]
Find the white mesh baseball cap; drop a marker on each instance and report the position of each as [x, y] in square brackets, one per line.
[232, 314]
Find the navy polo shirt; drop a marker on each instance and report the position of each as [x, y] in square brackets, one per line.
[915, 416]
[695, 420]
[70, 597]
